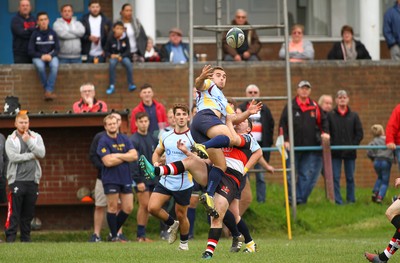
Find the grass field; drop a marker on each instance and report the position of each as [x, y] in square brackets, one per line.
[322, 232]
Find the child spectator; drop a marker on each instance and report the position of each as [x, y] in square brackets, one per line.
[118, 50]
[382, 159]
[152, 53]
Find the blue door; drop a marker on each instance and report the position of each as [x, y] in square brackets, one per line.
[51, 7]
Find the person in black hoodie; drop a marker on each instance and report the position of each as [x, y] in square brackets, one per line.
[310, 127]
[117, 49]
[43, 48]
[97, 27]
[348, 48]
[22, 26]
[346, 129]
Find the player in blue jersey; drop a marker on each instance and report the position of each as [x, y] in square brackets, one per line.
[178, 187]
[116, 151]
[208, 128]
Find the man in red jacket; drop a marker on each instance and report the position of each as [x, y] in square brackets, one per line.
[393, 131]
[155, 110]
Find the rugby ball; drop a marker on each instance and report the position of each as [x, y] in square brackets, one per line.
[235, 37]
[36, 223]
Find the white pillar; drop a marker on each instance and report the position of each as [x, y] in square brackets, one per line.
[146, 12]
[370, 27]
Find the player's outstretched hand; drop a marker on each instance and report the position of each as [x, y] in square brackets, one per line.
[397, 182]
[206, 72]
[181, 146]
[254, 107]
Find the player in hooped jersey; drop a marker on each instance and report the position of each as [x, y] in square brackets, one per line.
[179, 186]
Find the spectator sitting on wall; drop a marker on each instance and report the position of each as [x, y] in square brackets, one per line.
[152, 53]
[69, 31]
[44, 48]
[251, 46]
[175, 50]
[300, 49]
[22, 26]
[135, 32]
[348, 48]
[118, 50]
[97, 26]
[88, 102]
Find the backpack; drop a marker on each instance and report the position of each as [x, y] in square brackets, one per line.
[11, 105]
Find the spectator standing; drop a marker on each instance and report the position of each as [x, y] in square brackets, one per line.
[69, 32]
[151, 54]
[348, 48]
[3, 165]
[382, 160]
[155, 110]
[22, 26]
[325, 102]
[99, 196]
[88, 101]
[310, 127]
[345, 129]
[145, 143]
[24, 148]
[175, 50]
[97, 26]
[262, 131]
[393, 132]
[117, 49]
[44, 48]
[135, 32]
[391, 30]
[116, 152]
[248, 51]
[300, 49]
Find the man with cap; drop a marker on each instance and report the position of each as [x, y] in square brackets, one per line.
[310, 127]
[175, 50]
[345, 129]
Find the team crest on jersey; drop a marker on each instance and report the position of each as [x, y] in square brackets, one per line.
[297, 114]
[225, 189]
[38, 38]
[103, 150]
[312, 114]
[51, 37]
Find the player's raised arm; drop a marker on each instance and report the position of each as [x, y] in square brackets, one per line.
[206, 73]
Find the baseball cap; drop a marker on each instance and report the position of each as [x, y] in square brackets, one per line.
[176, 30]
[304, 83]
[341, 92]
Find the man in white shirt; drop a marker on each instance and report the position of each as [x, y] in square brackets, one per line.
[97, 27]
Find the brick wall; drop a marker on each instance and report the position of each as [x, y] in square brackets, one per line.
[370, 84]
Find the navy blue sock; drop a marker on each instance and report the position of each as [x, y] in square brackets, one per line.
[191, 215]
[229, 221]
[184, 238]
[170, 221]
[245, 231]
[214, 177]
[218, 141]
[112, 224]
[141, 231]
[121, 218]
